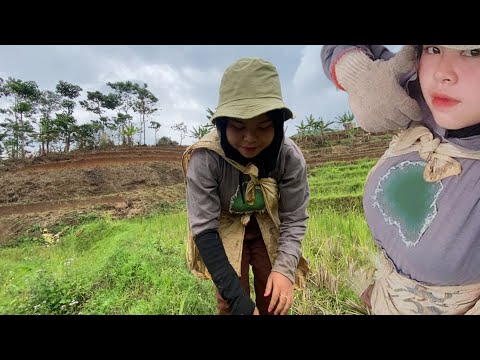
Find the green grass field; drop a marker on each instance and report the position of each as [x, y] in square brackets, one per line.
[137, 266]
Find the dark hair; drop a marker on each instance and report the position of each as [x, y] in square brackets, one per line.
[419, 49]
[266, 161]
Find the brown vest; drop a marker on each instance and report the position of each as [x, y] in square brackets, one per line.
[232, 226]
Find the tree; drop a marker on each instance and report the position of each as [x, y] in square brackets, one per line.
[121, 121]
[210, 113]
[84, 135]
[166, 141]
[182, 128]
[322, 127]
[144, 105]
[68, 90]
[311, 125]
[65, 121]
[302, 128]
[126, 92]
[346, 120]
[49, 103]
[128, 131]
[155, 125]
[25, 97]
[97, 103]
[2, 135]
[201, 131]
[66, 125]
[2, 92]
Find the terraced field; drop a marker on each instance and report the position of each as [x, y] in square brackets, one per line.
[47, 191]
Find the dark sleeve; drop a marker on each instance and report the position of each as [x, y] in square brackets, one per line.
[331, 53]
[223, 275]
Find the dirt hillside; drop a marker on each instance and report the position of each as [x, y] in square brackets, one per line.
[59, 191]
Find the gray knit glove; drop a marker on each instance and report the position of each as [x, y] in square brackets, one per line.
[376, 99]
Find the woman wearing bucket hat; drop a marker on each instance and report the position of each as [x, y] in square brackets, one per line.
[429, 254]
[247, 195]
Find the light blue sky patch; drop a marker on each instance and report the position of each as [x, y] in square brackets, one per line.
[406, 200]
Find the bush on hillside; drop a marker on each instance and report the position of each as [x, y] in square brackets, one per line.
[166, 141]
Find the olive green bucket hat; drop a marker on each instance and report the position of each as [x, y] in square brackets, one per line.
[462, 47]
[250, 87]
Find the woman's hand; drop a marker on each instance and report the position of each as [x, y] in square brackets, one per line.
[375, 96]
[281, 289]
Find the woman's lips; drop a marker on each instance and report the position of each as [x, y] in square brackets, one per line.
[249, 149]
[443, 101]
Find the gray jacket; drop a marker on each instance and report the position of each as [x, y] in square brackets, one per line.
[212, 184]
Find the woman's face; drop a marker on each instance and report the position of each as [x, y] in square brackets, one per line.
[251, 136]
[450, 83]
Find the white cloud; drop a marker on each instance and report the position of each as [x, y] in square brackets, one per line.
[309, 71]
[312, 93]
[185, 79]
[177, 89]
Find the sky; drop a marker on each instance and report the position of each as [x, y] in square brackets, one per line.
[184, 78]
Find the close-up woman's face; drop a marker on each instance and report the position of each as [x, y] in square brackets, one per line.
[250, 136]
[450, 83]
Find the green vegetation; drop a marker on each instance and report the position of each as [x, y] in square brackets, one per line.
[137, 266]
[336, 243]
[333, 182]
[134, 266]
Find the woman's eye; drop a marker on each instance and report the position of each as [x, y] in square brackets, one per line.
[472, 53]
[431, 50]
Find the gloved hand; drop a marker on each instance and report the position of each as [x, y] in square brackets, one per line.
[376, 99]
[223, 275]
